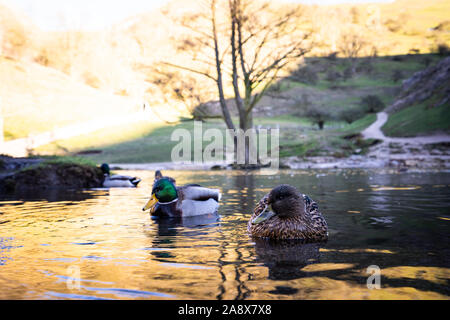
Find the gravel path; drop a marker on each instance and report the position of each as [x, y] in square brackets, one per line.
[374, 132]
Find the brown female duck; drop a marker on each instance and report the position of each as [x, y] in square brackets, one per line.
[292, 216]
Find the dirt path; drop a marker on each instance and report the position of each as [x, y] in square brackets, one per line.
[374, 132]
[393, 153]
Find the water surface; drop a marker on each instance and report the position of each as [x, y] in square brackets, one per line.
[98, 244]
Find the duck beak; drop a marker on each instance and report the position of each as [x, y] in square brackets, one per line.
[151, 203]
[263, 216]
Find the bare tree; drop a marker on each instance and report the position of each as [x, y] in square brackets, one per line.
[187, 90]
[250, 44]
[351, 45]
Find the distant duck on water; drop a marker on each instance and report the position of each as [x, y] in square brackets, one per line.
[117, 180]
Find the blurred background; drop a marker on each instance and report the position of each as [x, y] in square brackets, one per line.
[350, 85]
[110, 80]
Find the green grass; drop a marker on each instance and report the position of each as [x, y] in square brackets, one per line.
[62, 161]
[69, 160]
[418, 120]
[374, 76]
[358, 125]
[145, 142]
[307, 148]
[141, 142]
[364, 81]
[330, 141]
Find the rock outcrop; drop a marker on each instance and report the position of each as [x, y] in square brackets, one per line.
[433, 82]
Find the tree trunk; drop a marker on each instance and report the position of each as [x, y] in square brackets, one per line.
[321, 123]
[246, 123]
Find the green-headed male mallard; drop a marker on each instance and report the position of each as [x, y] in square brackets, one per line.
[117, 180]
[292, 216]
[167, 200]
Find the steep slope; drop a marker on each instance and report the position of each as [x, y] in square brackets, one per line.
[431, 84]
[423, 105]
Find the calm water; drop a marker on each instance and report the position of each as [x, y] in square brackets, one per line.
[399, 222]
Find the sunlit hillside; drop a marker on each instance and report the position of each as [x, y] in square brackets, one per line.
[57, 76]
[37, 99]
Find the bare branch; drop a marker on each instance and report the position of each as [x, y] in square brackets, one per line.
[190, 69]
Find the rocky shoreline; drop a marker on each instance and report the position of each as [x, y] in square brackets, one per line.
[400, 162]
[20, 174]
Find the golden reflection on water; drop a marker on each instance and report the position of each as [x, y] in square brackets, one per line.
[387, 188]
[432, 274]
[122, 254]
[357, 251]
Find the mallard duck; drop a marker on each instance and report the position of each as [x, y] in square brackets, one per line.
[116, 180]
[292, 216]
[158, 175]
[167, 200]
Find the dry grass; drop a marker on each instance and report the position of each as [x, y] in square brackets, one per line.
[56, 78]
[36, 99]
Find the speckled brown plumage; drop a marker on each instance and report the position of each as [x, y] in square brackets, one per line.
[301, 223]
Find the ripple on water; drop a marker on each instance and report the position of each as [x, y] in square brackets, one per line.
[396, 221]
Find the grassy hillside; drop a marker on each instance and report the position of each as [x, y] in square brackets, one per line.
[326, 83]
[36, 99]
[58, 78]
[299, 135]
[418, 120]
[145, 142]
[423, 105]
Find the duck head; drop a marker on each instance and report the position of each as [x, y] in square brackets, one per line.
[159, 175]
[105, 168]
[163, 191]
[285, 202]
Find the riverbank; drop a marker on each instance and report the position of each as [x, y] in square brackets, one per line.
[19, 174]
[383, 156]
[426, 152]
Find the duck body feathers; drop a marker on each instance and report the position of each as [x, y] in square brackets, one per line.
[119, 181]
[192, 200]
[310, 227]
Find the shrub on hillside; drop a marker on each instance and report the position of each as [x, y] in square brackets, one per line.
[398, 58]
[426, 61]
[350, 115]
[443, 49]
[332, 75]
[348, 73]
[305, 75]
[372, 104]
[274, 88]
[319, 115]
[332, 56]
[397, 75]
[366, 66]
